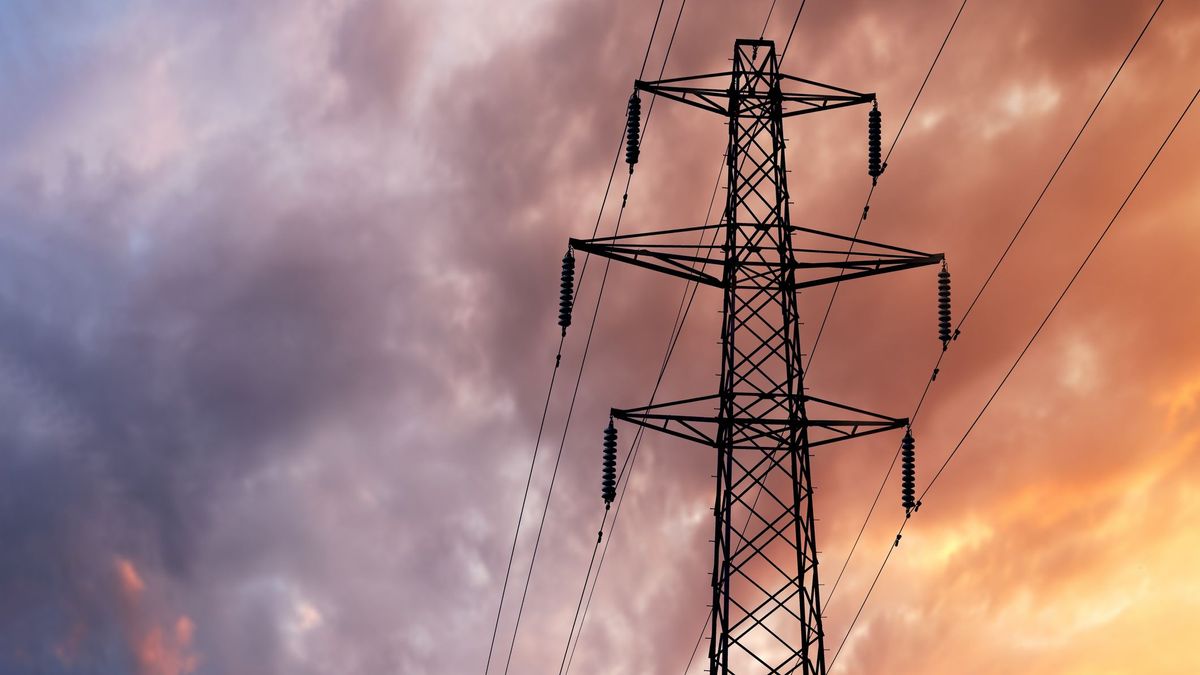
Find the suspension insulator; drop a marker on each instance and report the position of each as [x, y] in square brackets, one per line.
[909, 475]
[633, 123]
[608, 486]
[566, 291]
[874, 136]
[944, 306]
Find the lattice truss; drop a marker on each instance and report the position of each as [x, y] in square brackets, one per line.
[766, 611]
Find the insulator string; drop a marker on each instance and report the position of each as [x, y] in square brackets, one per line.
[909, 470]
[874, 142]
[566, 299]
[944, 306]
[633, 121]
[608, 482]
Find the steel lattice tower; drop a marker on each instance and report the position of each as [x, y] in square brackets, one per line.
[766, 605]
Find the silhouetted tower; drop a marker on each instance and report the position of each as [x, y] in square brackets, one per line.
[766, 606]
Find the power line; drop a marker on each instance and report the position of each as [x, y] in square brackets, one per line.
[570, 412]
[767, 20]
[600, 532]
[1060, 165]
[631, 458]
[792, 31]
[833, 296]
[1021, 355]
[591, 329]
[554, 372]
[1061, 295]
[866, 206]
[883, 483]
[542, 425]
[982, 288]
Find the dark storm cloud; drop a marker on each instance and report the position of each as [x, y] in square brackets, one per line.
[144, 378]
[155, 358]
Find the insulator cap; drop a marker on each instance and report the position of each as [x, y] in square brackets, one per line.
[633, 123]
[908, 481]
[566, 291]
[608, 483]
[874, 144]
[944, 306]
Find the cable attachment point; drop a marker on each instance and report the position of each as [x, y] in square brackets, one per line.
[633, 123]
[609, 482]
[874, 144]
[944, 306]
[909, 472]
[566, 292]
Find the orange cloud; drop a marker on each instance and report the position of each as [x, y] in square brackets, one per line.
[155, 649]
[159, 652]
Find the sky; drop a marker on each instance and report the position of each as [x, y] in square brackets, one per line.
[278, 291]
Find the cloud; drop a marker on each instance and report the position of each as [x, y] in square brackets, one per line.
[277, 295]
[155, 649]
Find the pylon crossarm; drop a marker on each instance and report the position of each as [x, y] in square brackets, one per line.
[658, 233]
[661, 251]
[759, 432]
[683, 429]
[797, 229]
[862, 258]
[705, 98]
[857, 269]
[815, 103]
[689, 266]
[714, 98]
[660, 259]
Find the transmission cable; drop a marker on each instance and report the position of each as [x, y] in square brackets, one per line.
[1057, 168]
[625, 475]
[541, 427]
[600, 531]
[962, 320]
[792, 31]
[557, 363]
[767, 20]
[587, 344]
[867, 206]
[1020, 356]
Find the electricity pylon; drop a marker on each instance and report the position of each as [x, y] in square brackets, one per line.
[766, 603]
